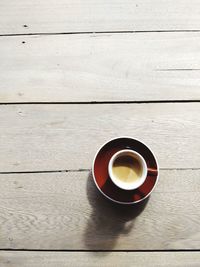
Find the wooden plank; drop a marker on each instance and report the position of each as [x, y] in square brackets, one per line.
[85, 15]
[60, 137]
[62, 211]
[115, 67]
[106, 259]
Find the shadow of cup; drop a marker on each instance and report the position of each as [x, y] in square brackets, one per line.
[108, 220]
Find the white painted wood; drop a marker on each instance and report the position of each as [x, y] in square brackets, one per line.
[60, 137]
[100, 15]
[106, 259]
[64, 211]
[118, 67]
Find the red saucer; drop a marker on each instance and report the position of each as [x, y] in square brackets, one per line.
[105, 184]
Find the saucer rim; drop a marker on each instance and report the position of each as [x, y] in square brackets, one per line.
[116, 201]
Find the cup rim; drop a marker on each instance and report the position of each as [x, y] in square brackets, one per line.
[94, 179]
[124, 185]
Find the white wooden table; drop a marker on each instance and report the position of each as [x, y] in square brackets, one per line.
[74, 74]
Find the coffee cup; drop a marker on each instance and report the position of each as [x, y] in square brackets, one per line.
[127, 169]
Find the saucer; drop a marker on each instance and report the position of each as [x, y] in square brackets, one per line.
[104, 182]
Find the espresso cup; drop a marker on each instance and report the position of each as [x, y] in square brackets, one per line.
[127, 169]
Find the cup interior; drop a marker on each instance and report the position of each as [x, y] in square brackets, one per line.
[127, 169]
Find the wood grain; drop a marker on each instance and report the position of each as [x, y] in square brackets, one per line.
[109, 67]
[124, 67]
[87, 259]
[60, 137]
[64, 211]
[84, 15]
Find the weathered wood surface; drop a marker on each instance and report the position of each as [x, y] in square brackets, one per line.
[116, 67]
[141, 51]
[100, 15]
[64, 211]
[106, 259]
[60, 137]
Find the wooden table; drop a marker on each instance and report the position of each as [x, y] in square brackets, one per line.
[74, 74]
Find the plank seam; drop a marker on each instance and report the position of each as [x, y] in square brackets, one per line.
[99, 250]
[46, 171]
[96, 32]
[102, 102]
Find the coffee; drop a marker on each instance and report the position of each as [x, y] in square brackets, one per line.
[127, 169]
